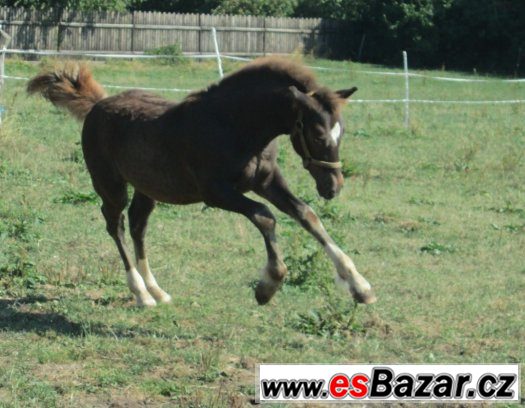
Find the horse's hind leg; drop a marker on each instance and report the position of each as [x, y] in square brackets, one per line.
[114, 201]
[139, 211]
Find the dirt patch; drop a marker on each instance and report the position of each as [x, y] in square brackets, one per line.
[375, 324]
[409, 226]
[118, 398]
[63, 375]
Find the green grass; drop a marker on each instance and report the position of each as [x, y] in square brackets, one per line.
[433, 216]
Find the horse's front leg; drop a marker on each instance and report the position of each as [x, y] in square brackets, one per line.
[275, 190]
[224, 196]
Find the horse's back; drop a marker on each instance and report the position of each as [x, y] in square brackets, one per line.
[113, 121]
[135, 105]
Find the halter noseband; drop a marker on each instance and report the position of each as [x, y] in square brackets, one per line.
[307, 157]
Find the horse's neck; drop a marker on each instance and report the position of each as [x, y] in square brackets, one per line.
[263, 118]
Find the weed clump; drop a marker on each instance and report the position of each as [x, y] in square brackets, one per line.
[435, 248]
[335, 319]
[17, 240]
[169, 54]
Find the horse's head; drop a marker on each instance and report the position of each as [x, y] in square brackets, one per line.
[317, 133]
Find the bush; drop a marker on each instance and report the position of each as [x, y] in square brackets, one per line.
[172, 54]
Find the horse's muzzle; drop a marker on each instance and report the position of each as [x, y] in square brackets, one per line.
[328, 181]
[329, 193]
[330, 190]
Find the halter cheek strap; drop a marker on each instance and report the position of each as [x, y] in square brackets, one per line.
[307, 157]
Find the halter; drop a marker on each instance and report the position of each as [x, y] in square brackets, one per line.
[307, 157]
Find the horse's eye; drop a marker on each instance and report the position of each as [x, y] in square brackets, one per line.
[319, 138]
[319, 132]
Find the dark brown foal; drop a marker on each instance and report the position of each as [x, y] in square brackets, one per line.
[213, 147]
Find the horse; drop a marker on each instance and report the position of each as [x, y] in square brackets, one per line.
[213, 147]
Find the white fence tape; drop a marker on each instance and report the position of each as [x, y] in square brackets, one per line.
[237, 58]
[421, 101]
[17, 78]
[451, 79]
[442, 102]
[148, 88]
[405, 74]
[50, 53]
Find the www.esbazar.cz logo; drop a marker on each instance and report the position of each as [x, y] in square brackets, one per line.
[386, 383]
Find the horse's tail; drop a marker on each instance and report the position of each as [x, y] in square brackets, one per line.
[71, 86]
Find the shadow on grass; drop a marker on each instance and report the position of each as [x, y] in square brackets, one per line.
[49, 323]
[13, 319]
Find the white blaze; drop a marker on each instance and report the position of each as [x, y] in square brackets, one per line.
[335, 133]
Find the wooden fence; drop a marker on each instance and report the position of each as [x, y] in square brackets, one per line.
[137, 32]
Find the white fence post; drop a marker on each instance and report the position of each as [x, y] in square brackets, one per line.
[2, 72]
[217, 53]
[2, 61]
[7, 38]
[2, 66]
[407, 90]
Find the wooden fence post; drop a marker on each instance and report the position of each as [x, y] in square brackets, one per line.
[264, 37]
[132, 31]
[199, 34]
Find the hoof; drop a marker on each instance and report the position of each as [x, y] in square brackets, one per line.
[367, 297]
[165, 299]
[264, 292]
[159, 295]
[146, 301]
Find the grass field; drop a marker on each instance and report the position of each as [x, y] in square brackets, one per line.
[433, 216]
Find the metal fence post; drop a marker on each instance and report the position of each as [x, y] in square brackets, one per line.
[7, 38]
[217, 53]
[407, 91]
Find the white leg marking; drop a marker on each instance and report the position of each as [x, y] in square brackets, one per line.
[346, 270]
[138, 288]
[151, 283]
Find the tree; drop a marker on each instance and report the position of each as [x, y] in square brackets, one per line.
[81, 5]
[176, 6]
[280, 8]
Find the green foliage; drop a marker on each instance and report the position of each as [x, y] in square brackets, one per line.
[435, 248]
[336, 9]
[17, 244]
[465, 34]
[513, 228]
[79, 5]
[509, 208]
[257, 8]
[350, 169]
[304, 264]
[335, 319]
[172, 54]
[77, 197]
[179, 6]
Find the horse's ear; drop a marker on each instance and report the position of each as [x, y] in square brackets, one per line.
[298, 98]
[346, 93]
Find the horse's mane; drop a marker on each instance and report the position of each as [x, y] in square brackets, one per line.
[266, 72]
[273, 69]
